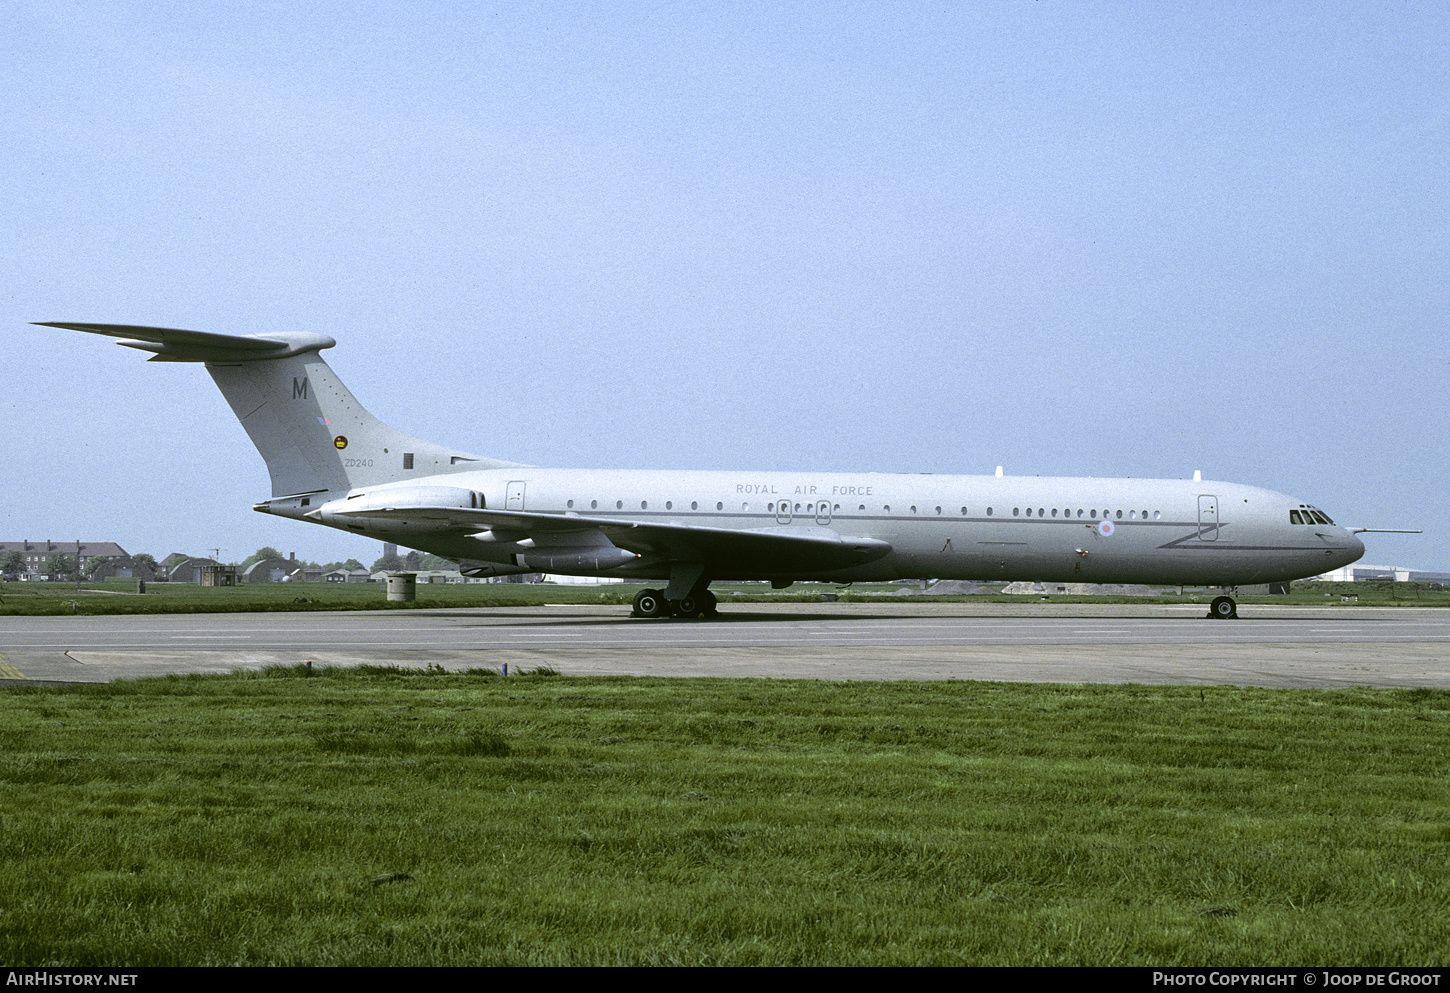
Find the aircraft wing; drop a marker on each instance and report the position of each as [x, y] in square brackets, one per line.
[783, 549]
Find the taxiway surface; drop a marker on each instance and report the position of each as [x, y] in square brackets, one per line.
[1107, 643]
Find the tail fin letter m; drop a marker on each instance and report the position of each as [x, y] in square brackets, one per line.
[299, 390]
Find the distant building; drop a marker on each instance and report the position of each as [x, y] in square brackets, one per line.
[431, 576]
[203, 572]
[171, 562]
[271, 570]
[439, 576]
[35, 553]
[1361, 573]
[218, 575]
[180, 569]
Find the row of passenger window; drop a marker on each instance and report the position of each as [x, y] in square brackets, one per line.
[644, 505]
[1090, 514]
[1306, 515]
[811, 508]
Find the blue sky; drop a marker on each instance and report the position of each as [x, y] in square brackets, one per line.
[1112, 239]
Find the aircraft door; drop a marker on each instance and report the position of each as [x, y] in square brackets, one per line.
[823, 513]
[515, 495]
[1207, 517]
[782, 512]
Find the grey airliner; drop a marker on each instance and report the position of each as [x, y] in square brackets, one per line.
[333, 463]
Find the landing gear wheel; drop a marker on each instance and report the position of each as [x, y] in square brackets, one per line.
[649, 603]
[1223, 608]
[696, 604]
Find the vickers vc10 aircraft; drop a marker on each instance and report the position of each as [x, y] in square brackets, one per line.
[333, 463]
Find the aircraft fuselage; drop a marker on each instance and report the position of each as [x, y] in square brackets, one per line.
[331, 462]
[1047, 529]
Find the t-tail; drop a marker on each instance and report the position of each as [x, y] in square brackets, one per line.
[313, 434]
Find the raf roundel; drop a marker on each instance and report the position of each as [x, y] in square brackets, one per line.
[339, 442]
[1106, 529]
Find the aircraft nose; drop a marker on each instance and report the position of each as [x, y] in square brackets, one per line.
[1353, 550]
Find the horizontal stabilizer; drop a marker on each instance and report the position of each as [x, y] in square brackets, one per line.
[176, 345]
[313, 434]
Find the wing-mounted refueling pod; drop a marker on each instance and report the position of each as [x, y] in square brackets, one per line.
[565, 551]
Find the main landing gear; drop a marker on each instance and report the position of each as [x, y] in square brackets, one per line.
[652, 603]
[688, 594]
[1223, 608]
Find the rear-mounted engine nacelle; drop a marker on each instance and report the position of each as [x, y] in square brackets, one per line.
[353, 511]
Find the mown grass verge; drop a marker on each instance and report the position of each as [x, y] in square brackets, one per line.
[378, 816]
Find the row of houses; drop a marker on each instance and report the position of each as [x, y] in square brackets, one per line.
[288, 571]
[39, 561]
[209, 572]
[36, 557]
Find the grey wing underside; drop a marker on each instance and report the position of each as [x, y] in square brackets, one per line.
[768, 549]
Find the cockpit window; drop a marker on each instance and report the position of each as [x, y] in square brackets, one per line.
[1309, 515]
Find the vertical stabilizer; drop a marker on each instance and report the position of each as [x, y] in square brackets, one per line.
[308, 427]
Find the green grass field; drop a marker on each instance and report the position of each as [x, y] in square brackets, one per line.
[382, 817]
